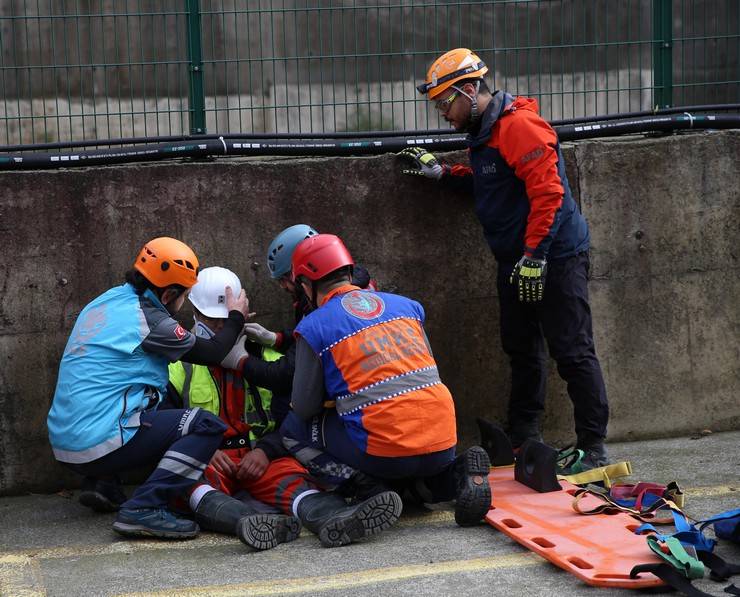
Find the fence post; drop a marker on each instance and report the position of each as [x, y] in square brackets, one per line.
[197, 111]
[663, 53]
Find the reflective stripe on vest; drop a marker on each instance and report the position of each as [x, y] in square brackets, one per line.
[388, 388]
[380, 372]
[195, 386]
[260, 416]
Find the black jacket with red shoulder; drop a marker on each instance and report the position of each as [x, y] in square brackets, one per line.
[522, 197]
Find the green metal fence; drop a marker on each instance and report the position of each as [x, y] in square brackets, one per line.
[97, 69]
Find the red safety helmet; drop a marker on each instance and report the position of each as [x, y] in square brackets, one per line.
[165, 261]
[318, 256]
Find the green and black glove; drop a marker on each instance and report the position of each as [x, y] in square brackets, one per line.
[423, 162]
[529, 277]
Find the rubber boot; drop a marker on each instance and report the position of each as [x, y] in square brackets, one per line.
[473, 500]
[223, 514]
[328, 516]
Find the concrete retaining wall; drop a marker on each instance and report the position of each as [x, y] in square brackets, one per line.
[663, 215]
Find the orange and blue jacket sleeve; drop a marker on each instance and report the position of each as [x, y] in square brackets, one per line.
[458, 177]
[529, 145]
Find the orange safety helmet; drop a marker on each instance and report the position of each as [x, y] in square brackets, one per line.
[451, 67]
[165, 261]
[318, 256]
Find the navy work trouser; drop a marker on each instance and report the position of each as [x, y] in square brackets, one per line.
[563, 319]
[323, 446]
[183, 441]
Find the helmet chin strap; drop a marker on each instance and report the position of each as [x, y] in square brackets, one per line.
[474, 114]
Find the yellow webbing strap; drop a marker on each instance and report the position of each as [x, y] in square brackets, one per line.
[673, 493]
[604, 474]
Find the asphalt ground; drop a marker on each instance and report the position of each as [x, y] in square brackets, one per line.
[51, 545]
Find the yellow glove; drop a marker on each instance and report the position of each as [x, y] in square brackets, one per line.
[529, 277]
[423, 163]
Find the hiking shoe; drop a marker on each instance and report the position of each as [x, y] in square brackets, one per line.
[101, 495]
[594, 456]
[153, 522]
[265, 531]
[363, 520]
[572, 461]
[474, 491]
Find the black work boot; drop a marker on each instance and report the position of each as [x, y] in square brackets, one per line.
[223, 514]
[473, 499]
[361, 486]
[328, 516]
[102, 495]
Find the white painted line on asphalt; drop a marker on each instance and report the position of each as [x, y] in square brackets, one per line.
[20, 573]
[212, 539]
[352, 580]
[21, 577]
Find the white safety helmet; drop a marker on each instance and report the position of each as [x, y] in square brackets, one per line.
[209, 293]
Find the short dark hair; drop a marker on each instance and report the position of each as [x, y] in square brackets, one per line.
[140, 284]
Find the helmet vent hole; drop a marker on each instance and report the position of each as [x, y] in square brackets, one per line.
[189, 265]
[165, 266]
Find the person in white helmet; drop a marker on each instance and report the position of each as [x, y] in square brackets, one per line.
[252, 463]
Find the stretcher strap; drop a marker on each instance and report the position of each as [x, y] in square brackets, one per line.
[603, 474]
[686, 533]
[673, 552]
[671, 576]
[644, 494]
[720, 569]
[648, 514]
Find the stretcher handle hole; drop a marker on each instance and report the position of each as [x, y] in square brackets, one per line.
[542, 542]
[632, 527]
[579, 563]
[511, 523]
[614, 576]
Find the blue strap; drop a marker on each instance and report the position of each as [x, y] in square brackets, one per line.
[721, 516]
[686, 533]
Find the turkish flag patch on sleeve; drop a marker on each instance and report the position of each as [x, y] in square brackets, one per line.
[180, 332]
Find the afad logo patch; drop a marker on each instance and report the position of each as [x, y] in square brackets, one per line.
[180, 332]
[364, 305]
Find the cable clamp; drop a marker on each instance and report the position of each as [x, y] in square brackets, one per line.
[691, 120]
[224, 144]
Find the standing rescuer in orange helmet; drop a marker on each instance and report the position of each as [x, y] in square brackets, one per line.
[536, 232]
[113, 374]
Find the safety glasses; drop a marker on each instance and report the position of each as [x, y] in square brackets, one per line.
[444, 105]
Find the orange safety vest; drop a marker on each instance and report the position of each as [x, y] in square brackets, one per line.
[380, 371]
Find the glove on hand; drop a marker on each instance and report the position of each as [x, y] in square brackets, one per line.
[424, 163]
[529, 276]
[257, 333]
[236, 355]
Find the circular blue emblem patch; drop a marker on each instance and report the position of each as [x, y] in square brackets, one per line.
[364, 305]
